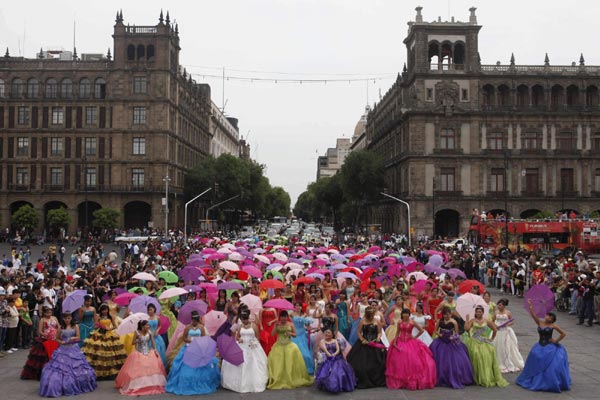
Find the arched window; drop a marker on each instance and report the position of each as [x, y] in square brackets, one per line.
[141, 52]
[66, 88]
[522, 96]
[557, 97]
[537, 96]
[591, 96]
[488, 96]
[130, 52]
[85, 88]
[33, 88]
[503, 96]
[572, 96]
[447, 56]
[100, 88]
[16, 88]
[459, 55]
[434, 56]
[51, 88]
[1, 88]
[150, 52]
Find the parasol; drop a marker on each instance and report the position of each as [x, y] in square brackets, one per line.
[124, 298]
[168, 276]
[213, 321]
[229, 266]
[421, 285]
[465, 305]
[467, 286]
[130, 323]
[73, 301]
[279, 304]
[307, 280]
[229, 350]
[418, 276]
[185, 312]
[272, 284]
[541, 298]
[200, 352]
[455, 272]
[229, 286]
[144, 276]
[140, 304]
[253, 302]
[190, 274]
[252, 271]
[173, 292]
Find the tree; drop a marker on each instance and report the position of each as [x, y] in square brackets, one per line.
[330, 195]
[303, 208]
[277, 203]
[25, 218]
[58, 218]
[106, 218]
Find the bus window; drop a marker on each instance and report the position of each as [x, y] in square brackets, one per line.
[558, 237]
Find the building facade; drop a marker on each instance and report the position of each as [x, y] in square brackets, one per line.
[102, 132]
[331, 162]
[225, 133]
[457, 135]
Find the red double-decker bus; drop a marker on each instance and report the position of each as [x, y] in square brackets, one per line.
[548, 236]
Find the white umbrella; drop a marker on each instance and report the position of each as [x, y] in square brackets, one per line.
[172, 292]
[236, 257]
[144, 276]
[466, 304]
[262, 259]
[130, 323]
[418, 276]
[280, 256]
[229, 265]
[224, 250]
[293, 265]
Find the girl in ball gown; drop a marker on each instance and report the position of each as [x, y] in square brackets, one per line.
[410, 364]
[68, 372]
[104, 349]
[367, 356]
[186, 380]
[330, 321]
[301, 322]
[44, 344]
[481, 352]
[143, 373]
[158, 343]
[451, 357]
[285, 363]
[335, 374]
[358, 309]
[506, 344]
[547, 365]
[87, 318]
[422, 321]
[252, 375]
[267, 318]
[343, 312]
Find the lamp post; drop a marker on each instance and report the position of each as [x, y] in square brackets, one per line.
[433, 206]
[166, 179]
[506, 197]
[407, 211]
[185, 212]
[218, 204]
[85, 197]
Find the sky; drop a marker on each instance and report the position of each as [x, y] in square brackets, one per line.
[289, 124]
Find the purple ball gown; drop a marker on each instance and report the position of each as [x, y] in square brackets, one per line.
[335, 374]
[67, 373]
[454, 367]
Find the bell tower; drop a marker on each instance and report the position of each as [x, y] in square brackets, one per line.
[447, 47]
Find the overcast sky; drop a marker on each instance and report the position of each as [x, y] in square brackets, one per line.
[289, 123]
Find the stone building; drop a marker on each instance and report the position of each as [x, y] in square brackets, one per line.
[457, 135]
[224, 132]
[331, 162]
[97, 131]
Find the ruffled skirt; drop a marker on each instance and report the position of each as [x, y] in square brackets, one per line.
[410, 365]
[105, 353]
[142, 374]
[185, 380]
[67, 373]
[335, 375]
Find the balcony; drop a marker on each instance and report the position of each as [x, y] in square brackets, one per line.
[497, 194]
[54, 188]
[532, 193]
[126, 189]
[448, 193]
[19, 187]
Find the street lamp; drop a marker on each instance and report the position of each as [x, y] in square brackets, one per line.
[433, 206]
[506, 196]
[166, 179]
[85, 196]
[218, 204]
[407, 211]
[185, 212]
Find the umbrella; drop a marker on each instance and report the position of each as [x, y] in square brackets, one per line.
[208, 250]
[130, 323]
[272, 284]
[165, 323]
[421, 285]
[274, 275]
[262, 259]
[136, 288]
[253, 302]
[209, 287]
[185, 312]
[213, 321]
[339, 257]
[280, 256]
[193, 288]
[229, 350]
[173, 292]
[364, 286]
[541, 298]
[347, 275]
[275, 267]
[465, 305]
[140, 304]
[279, 304]
[236, 257]
[430, 268]
[455, 272]
[229, 266]
[144, 276]
[293, 265]
[305, 279]
[229, 286]
[168, 276]
[200, 352]
[224, 250]
[73, 301]
[252, 271]
[467, 286]
[315, 275]
[117, 291]
[216, 256]
[124, 298]
[436, 260]
[190, 274]
[338, 266]
[418, 275]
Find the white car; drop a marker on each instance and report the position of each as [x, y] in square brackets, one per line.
[458, 242]
[247, 232]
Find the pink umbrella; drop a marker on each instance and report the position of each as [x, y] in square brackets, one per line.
[253, 302]
[466, 304]
[236, 257]
[216, 256]
[124, 298]
[130, 323]
[262, 259]
[165, 323]
[208, 250]
[209, 287]
[421, 285]
[185, 312]
[320, 262]
[144, 276]
[418, 275]
[196, 262]
[280, 257]
[279, 304]
[541, 298]
[252, 271]
[374, 248]
[213, 321]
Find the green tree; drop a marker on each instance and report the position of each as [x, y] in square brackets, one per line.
[303, 208]
[277, 203]
[25, 218]
[106, 218]
[330, 196]
[58, 218]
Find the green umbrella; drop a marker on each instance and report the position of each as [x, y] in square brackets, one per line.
[275, 275]
[136, 288]
[168, 276]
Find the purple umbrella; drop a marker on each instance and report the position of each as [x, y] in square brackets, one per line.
[455, 272]
[193, 288]
[200, 352]
[229, 350]
[541, 298]
[196, 262]
[140, 304]
[185, 312]
[433, 269]
[229, 286]
[190, 274]
[339, 266]
[73, 301]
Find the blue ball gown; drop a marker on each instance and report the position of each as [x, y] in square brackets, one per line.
[335, 374]
[547, 366]
[67, 373]
[185, 380]
[86, 326]
[160, 343]
[301, 341]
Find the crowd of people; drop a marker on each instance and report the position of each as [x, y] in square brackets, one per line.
[246, 315]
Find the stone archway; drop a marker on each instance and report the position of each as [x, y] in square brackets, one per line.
[529, 213]
[137, 214]
[85, 215]
[447, 223]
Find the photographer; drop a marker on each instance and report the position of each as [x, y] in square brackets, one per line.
[587, 291]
